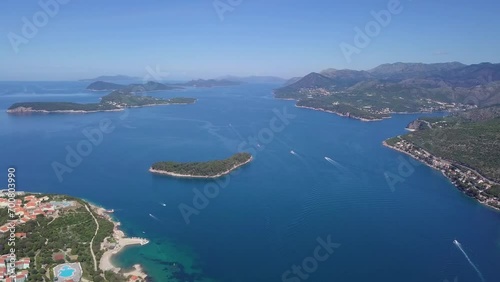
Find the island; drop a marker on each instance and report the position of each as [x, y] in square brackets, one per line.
[104, 86]
[61, 238]
[207, 83]
[210, 169]
[375, 94]
[463, 146]
[133, 88]
[117, 100]
[112, 78]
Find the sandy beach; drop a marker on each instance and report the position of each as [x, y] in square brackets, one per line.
[122, 242]
[198, 176]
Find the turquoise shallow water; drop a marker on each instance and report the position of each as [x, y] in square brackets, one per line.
[272, 212]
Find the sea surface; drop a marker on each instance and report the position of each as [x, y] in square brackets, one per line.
[268, 216]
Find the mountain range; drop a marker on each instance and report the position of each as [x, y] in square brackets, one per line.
[114, 78]
[400, 87]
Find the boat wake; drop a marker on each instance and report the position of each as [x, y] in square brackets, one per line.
[459, 246]
[154, 217]
[293, 153]
[163, 204]
[336, 164]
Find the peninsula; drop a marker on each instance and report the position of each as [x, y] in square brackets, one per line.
[463, 146]
[33, 223]
[210, 169]
[395, 88]
[117, 100]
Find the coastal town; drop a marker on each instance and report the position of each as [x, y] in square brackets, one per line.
[467, 180]
[19, 214]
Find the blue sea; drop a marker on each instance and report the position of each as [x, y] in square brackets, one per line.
[314, 205]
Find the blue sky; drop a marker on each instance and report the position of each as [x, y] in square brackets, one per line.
[188, 39]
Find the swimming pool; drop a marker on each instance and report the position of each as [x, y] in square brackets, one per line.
[66, 271]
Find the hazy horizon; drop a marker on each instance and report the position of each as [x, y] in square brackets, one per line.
[178, 77]
[69, 40]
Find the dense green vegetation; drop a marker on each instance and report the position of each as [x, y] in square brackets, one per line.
[69, 233]
[470, 138]
[63, 106]
[203, 169]
[401, 87]
[116, 100]
[494, 191]
[123, 98]
[329, 104]
[102, 85]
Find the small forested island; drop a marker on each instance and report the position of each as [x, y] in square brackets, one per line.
[210, 169]
[463, 146]
[115, 101]
[46, 237]
[396, 88]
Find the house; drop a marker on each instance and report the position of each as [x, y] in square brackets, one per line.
[4, 228]
[20, 235]
[30, 206]
[23, 263]
[48, 209]
[4, 203]
[38, 211]
[57, 256]
[30, 198]
[19, 211]
[21, 277]
[24, 219]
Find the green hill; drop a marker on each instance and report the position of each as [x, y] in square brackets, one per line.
[208, 169]
[401, 87]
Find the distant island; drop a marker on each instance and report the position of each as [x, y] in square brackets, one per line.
[134, 88]
[156, 86]
[104, 86]
[210, 169]
[210, 83]
[255, 79]
[117, 100]
[396, 88]
[112, 78]
[463, 146]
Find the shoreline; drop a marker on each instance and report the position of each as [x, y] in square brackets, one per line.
[14, 111]
[30, 111]
[485, 203]
[122, 242]
[173, 174]
[342, 115]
